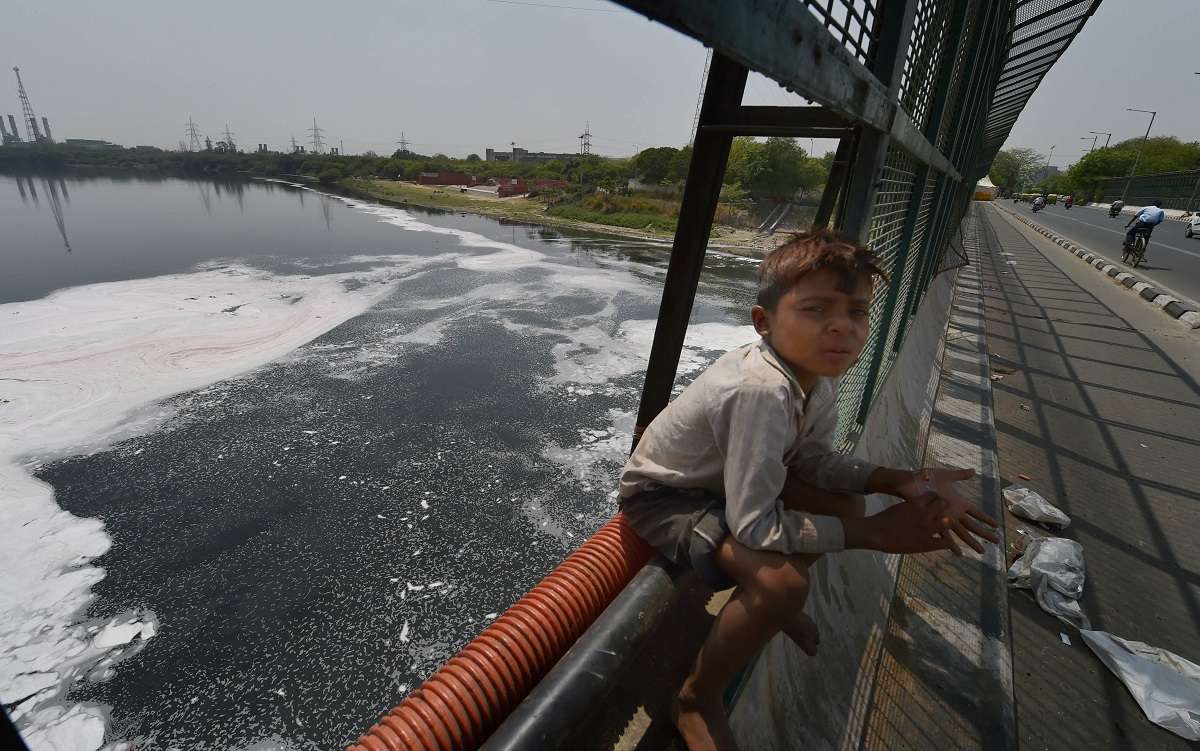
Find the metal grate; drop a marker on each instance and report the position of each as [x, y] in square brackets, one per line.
[854, 23]
[886, 234]
[923, 57]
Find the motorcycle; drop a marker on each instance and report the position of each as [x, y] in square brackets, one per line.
[1113, 211]
[1037, 207]
[1068, 204]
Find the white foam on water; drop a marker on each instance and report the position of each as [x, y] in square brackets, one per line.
[80, 369]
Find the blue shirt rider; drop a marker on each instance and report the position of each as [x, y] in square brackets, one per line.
[1144, 222]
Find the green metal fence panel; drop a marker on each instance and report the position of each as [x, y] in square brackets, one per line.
[1176, 190]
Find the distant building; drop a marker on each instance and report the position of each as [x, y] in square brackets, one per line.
[1043, 173]
[91, 143]
[446, 178]
[518, 154]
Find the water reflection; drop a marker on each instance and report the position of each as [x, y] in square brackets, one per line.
[55, 190]
[56, 208]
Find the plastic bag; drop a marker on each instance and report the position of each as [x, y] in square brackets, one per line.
[1027, 504]
[1053, 568]
[1165, 686]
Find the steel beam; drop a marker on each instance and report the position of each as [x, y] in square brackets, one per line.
[835, 183]
[710, 152]
[784, 41]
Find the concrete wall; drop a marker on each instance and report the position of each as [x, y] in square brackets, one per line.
[789, 700]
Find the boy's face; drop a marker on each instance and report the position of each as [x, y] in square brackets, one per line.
[816, 328]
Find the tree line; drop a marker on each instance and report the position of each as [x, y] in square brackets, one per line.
[1014, 170]
[774, 169]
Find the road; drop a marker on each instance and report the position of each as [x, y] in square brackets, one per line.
[1095, 409]
[1172, 263]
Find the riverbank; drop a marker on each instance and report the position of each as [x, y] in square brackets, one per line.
[521, 209]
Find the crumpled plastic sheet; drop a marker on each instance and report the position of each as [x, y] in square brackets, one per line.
[1027, 504]
[1165, 686]
[1053, 568]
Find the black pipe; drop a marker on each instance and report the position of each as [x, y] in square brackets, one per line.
[575, 686]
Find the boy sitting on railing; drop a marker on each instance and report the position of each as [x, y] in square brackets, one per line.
[738, 479]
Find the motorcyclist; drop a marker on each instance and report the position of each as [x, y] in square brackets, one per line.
[1116, 207]
[1069, 201]
[1039, 203]
[1144, 222]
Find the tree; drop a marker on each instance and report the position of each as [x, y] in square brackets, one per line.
[776, 168]
[652, 166]
[1013, 169]
[473, 158]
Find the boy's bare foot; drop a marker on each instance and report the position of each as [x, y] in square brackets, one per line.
[703, 727]
[804, 632]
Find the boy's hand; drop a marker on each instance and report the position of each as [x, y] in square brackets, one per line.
[903, 528]
[965, 521]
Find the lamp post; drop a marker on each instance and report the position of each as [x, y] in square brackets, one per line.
[1107, 136]
[1138, 157]
[1048, 158]
[1094, 139]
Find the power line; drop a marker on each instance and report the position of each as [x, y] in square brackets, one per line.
[559, 7]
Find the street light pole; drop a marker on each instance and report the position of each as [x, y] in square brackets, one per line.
[1138, 158]
[1108, 136]
[1094, 139]
[1048, 158]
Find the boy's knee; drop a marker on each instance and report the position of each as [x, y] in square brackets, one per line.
[785, 587]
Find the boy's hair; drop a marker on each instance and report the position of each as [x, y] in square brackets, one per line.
[807, 252]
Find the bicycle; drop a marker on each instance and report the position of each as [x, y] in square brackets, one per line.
[1137, 251]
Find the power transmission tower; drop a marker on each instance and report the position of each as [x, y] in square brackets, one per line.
[229, 144]
[31, 126]
[585, 140]
[193, 134]
[700, 96]
[403, 143]
[317, 141]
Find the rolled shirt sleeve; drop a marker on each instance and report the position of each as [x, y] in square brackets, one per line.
[753, 440]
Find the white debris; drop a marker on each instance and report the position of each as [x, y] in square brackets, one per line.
[1165, 685]
[404, 633]
[1027, 504]
[1053, 568]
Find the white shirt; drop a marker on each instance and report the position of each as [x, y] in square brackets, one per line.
[736, 431]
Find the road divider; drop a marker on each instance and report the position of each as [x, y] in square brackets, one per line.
[1179, 309]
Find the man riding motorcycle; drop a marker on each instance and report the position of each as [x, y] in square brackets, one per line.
[1144, 223]
[1068, 201]
[1116, 207]
[1039, 203]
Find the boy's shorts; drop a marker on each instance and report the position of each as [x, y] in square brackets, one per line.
[685, 525]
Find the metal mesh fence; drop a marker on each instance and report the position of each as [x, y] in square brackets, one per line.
[1176, 190]
[886, 238]
[854, 23]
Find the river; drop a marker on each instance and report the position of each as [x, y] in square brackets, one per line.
[270, 456]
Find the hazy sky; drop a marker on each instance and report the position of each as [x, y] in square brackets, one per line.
[456, 76]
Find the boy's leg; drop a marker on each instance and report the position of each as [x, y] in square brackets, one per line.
[771, 588]
[798, 495]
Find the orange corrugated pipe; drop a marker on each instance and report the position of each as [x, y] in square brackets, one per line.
[468, 697]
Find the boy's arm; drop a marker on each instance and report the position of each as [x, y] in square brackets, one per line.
[818, 464]
[751, 430]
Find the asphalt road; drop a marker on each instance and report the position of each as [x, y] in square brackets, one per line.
[1172, 262]
[1095, 409]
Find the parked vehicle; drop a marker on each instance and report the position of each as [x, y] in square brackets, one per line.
[1192, 228]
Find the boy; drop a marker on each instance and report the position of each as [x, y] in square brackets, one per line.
[737, 476]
